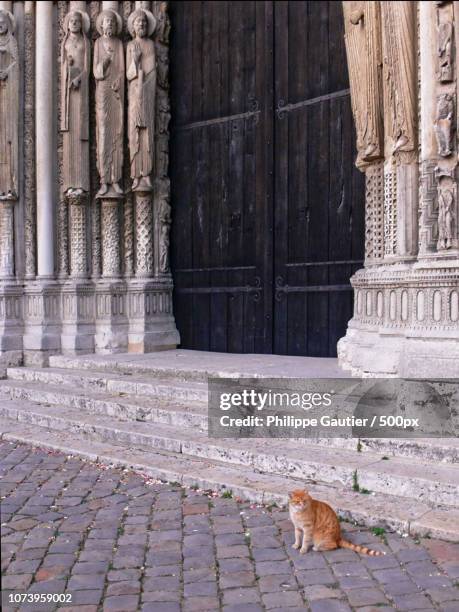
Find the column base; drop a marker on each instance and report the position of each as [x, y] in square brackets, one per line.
[151, 321]
[111, 325]
[11, 323]
[405, 324]
[42, 322]
[78, 311]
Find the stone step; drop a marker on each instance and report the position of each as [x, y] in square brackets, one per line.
[181, 404]
[141, 385]
[383, 510]
[190, 365]
[427, 482]
[123, 407]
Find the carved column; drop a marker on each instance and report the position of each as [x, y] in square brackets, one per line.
[29, 140]
[9, 138]
[428, 51]
[401, 130]
[42, 313]
[44, 138]
[109, 73]
[151, 322]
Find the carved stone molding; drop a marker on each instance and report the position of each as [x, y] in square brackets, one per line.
[428, 219]
[144, 235]
[77, 203]
[6, 239]
[374, 212]
[63, 238]
[390, 211]
[110, 238]
[29, 141]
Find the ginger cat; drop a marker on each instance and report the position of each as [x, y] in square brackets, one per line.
[316, 523]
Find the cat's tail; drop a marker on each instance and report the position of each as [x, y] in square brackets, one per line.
[360, 549]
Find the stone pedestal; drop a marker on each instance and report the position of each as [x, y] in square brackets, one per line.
[151, 320]
[42, 321]
[11, 326]
[78, 317]
[111, 322]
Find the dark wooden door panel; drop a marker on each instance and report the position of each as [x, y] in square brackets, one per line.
[319, 194]
[268, 207]
[222, 174]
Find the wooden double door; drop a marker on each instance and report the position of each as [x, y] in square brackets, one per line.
[268, 208]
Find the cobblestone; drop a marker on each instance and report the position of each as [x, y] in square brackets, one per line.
[124, 542]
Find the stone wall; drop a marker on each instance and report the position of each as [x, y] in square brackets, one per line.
[403, 70]
[84, 187]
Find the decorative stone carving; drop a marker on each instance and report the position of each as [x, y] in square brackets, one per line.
[144, 235]
[400, 77]
[428, 220]
[29, 141]
[9, 107]
[444, 124]
[390, 212]
[109, 74]
[141, 75]
[447, 204]
[164, 221]
[363, 46]
[110, 238]
[446, 201]
[374, 212]
[129, 225]
[6, 239]
[445, 52]
[77, 218]
[96, 254]
[63, 233]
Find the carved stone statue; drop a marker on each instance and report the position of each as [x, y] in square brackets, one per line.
[363, 47]
[109, 75]
[444, 124]
[445, 45]
[141, 76]
[9, 108]
[75, 68]
[400, 74]
[164, 218]
[445, 218]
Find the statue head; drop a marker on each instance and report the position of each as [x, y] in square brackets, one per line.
[6, 22]
[109, 24]
[141, 25]
[75, 23]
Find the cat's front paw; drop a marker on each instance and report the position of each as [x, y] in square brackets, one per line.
[295, 546]
[303, 550]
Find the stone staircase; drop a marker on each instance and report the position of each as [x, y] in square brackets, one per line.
[151, 415]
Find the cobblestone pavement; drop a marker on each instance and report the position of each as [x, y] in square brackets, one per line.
[115, 541]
